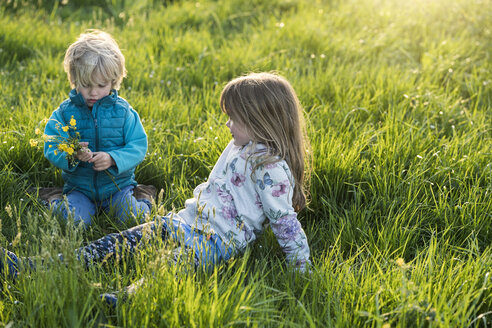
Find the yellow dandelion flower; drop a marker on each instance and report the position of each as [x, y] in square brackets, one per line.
[72, 146]
[73, 121]
[69, 150]
[37, 131]
[50, 146]
[33, 142]
[65, 128]
[45, 136]
[400, 262]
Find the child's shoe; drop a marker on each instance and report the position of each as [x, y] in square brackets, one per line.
[9, 262]
[48, 195]
[111, 299]
[145, 192]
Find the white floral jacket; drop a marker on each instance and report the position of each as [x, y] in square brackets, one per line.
[236, 207]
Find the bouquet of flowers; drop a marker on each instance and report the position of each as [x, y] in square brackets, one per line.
[67, 142]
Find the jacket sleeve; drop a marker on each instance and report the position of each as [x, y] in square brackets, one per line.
[135, 148]
[51, 152]
[275, 190]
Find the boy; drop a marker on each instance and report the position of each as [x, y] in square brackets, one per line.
[113, 139]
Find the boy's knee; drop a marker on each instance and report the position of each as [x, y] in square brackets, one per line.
[79, 212]
[128, 207]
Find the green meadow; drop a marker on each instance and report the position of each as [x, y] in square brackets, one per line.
[398, 98]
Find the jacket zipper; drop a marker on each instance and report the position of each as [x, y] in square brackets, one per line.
[97, 149]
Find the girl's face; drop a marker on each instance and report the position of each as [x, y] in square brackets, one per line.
[93, 93]
[239, 132]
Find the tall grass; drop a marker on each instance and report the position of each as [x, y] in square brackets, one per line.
[398, 97]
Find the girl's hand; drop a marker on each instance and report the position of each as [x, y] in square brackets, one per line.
[101, 161]
[85, 153]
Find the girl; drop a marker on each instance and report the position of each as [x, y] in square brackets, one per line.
[259, 178]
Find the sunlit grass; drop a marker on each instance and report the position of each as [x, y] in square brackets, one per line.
[398, 97]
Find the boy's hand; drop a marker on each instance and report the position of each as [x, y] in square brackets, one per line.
[85, 153]
[101, 161]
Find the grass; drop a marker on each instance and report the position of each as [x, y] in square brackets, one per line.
[398, 95]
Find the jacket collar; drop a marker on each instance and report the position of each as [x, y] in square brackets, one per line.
[78, 100]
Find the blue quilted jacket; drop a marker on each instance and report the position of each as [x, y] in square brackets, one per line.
[113, 127]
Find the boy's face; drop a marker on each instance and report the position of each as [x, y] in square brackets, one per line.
[239, 132]
[93, 93]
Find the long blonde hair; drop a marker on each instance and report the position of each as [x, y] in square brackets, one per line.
[267, 105]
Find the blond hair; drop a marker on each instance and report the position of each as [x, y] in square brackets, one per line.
[95, 53]
[267, 105]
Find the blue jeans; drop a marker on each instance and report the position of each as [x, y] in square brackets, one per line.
[83, 208]
[208, 250]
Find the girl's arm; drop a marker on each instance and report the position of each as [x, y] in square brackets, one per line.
[275, 192]
[133, 153]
